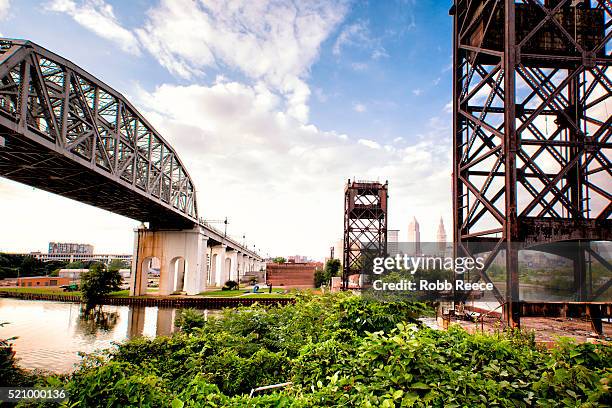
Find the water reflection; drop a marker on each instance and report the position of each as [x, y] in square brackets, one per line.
[95, 319]
[51, 334]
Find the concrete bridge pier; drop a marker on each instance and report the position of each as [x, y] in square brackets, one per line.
[182, 265]
[245, 264]
[231, 264]
[217, 263]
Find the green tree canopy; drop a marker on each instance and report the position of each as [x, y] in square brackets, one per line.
[98, 282]
[279, 260]
[116, 264]
[75, 265]
[323, 277]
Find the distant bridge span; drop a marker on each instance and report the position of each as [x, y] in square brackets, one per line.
[64, 131]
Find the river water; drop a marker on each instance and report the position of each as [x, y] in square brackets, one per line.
[50, 335]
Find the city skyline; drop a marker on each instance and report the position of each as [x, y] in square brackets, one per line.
[262, 141]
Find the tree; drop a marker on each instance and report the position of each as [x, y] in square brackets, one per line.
[116, 264]
[75, 265]
[52, 267]
[279, 260]
[31, 266]
[98, 282]
[332, 268]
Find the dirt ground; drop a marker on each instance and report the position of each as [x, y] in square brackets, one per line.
[547, 329]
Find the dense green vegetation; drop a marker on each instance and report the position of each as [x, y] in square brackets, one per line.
[323, 276]
[13, 265]
[338, 350]
[99, 282]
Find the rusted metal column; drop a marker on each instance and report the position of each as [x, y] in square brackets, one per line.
[510, 144]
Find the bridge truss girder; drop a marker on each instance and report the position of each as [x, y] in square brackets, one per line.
[69, 133]
[531, 127]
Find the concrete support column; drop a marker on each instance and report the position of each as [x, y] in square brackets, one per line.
[140, 268]
[218, 264]
[204, 260]
[239, 266]
[245, 264]
[232, 271]
[179, 254]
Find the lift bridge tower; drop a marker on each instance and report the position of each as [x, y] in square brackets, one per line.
[365, 225]
[532, 105]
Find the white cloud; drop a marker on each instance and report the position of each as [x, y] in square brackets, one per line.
[417, 92]
[271, 41]
[379, 53]
[448, 108]
[321, 95]
[246, 157]
[98, 16]
[352, 34]
[358, 35]
[5, 6]
[369, 143]
[30, 218]
[359, 107]
[359, 66]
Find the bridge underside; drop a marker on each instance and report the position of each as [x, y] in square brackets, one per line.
[30, 162]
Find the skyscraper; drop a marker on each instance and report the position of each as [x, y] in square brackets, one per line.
[414, 237]
[441, 231]
[441, 236]
[392, 242]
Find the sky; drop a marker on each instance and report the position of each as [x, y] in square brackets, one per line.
[271, 105]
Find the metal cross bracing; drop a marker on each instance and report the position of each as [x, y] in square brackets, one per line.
[67, 132]
[532, 103]
[365, 225]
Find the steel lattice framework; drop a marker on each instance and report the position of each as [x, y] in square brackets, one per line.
[67, 132]
[365, 225]
[532, 115]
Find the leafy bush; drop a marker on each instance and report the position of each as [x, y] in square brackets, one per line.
[340, 350]
[323, 277]
[189, 319]
[98, 282]
[230, 285]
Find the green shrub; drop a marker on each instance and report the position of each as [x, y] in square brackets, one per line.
[189, 319]
[340, 350]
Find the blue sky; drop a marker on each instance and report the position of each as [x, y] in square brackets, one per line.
[272, 105]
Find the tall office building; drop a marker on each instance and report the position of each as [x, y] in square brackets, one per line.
[441, 236]
[414, 237]
[393, 242]
[441, 231]
[70, 248]
[339, 250]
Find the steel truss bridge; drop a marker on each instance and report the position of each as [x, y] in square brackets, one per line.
[64, 131]
[69, 133]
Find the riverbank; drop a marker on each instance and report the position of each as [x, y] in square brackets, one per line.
[121, 298]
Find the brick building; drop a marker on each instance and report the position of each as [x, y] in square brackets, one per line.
[42, 281]
[292, 275]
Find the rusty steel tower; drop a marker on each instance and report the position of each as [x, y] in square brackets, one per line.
[365, 225]
[532, 105]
